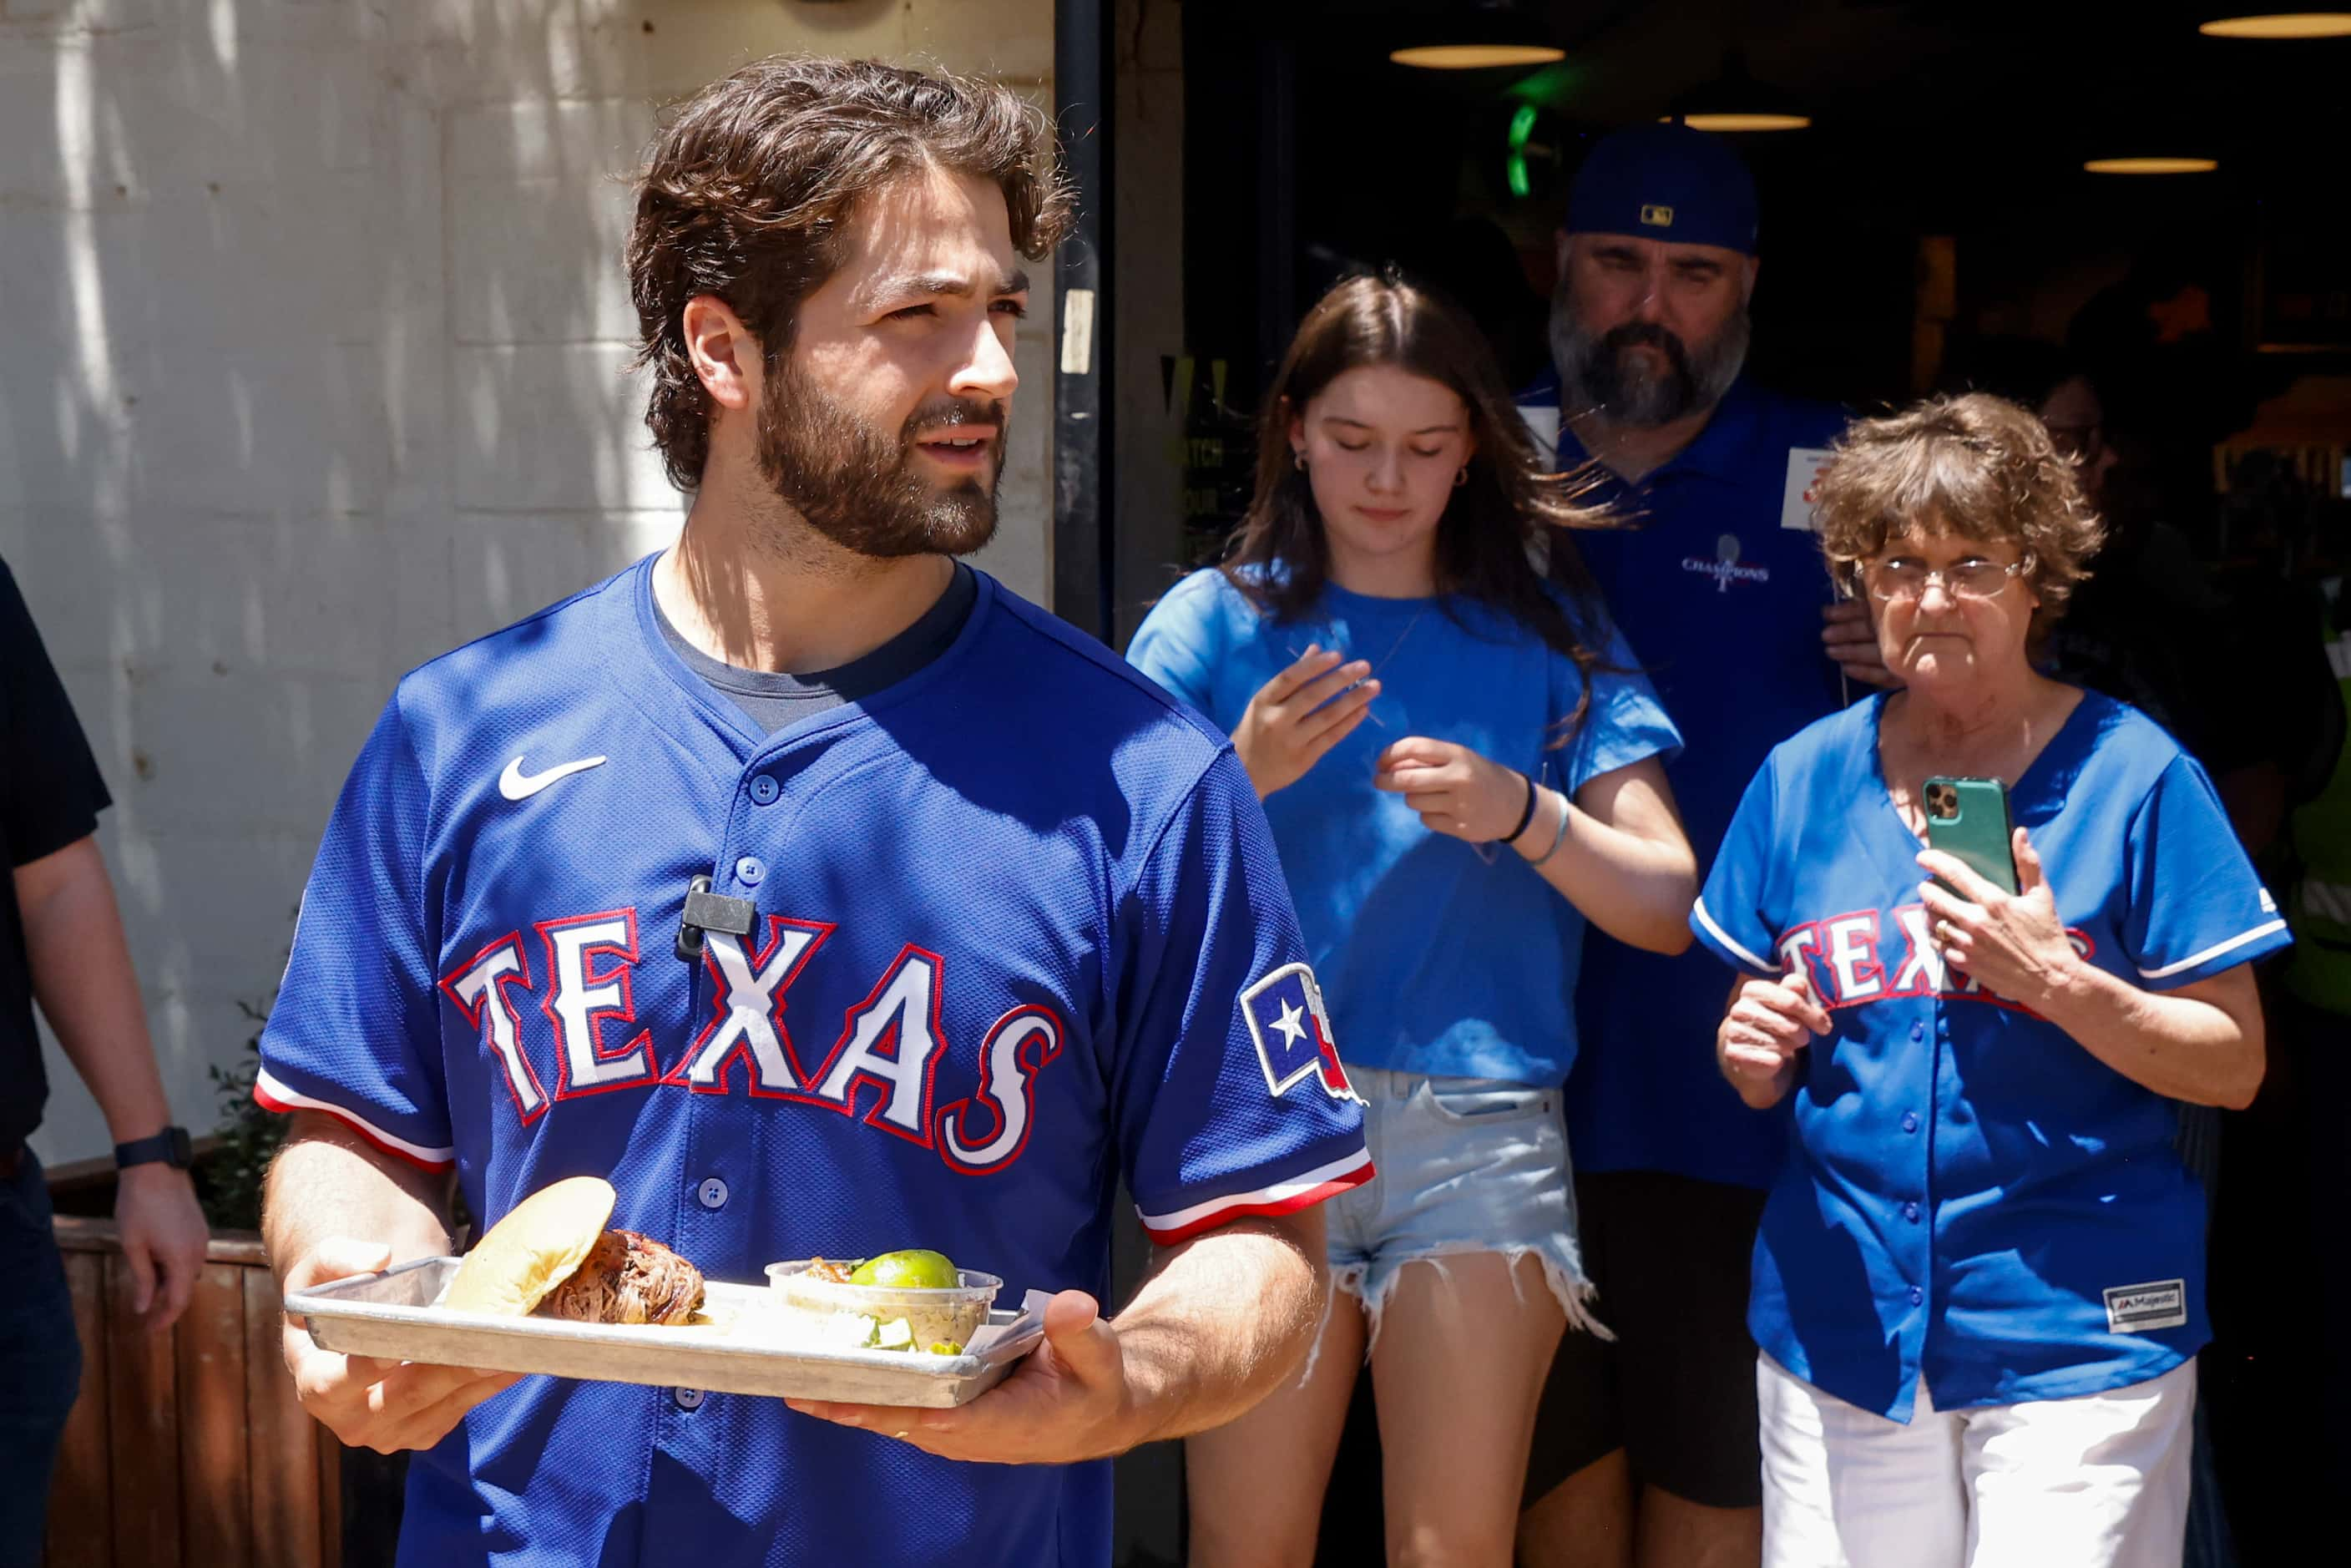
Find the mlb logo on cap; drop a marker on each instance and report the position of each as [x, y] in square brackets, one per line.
[1650, 177]
[1292, 1030]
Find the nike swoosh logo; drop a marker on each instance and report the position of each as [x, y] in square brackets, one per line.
[516, 785]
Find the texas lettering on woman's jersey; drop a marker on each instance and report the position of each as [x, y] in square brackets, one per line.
[1972, 1196]
[1018, 931]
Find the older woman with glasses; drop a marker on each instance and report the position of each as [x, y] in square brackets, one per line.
[1978, 1285]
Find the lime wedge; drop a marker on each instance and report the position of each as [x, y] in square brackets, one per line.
[914, 1269]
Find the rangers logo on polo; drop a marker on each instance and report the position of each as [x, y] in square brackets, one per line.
[1292, 1030]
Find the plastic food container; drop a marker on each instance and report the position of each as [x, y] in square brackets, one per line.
[847, 1315]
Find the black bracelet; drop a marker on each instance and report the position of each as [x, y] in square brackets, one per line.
[1525, 817]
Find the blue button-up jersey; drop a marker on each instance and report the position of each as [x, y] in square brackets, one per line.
[1720, 585]
[1971, 1196]
[1009, 914]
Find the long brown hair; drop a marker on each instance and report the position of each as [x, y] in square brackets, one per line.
[1280, 557]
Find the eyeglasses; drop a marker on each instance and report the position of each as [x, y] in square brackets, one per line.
[2082, 442]
[1903, 578]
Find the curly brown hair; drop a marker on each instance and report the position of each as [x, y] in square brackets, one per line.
[1975, 465]
[1507, 508]
[749, 191]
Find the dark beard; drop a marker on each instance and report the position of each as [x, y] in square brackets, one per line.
[857, 486]
[1594, 376]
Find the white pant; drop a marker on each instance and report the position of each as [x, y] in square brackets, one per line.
[2099, 1480]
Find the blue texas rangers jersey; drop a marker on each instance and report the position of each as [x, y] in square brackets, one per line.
[1721, 584]
[1019, 930]
[1973, 1196]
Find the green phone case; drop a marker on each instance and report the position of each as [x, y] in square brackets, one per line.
[1966, 819]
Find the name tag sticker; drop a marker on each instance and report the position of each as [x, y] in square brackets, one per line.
[1804, 466]
[2137, 1309]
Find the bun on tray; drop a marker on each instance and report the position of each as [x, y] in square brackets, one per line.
[552, 1256]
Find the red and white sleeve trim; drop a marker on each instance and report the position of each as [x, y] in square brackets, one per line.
[1299, 1192]
[273, 1094]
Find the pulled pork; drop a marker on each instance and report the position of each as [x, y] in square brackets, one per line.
[628, 1279]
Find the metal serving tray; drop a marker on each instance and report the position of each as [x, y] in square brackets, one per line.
[392, 1316]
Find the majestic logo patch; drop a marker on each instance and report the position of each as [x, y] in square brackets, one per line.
[1656, 214]
[1292, 1030]
[2136, 1309]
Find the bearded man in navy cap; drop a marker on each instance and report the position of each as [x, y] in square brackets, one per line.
[1645, 1450]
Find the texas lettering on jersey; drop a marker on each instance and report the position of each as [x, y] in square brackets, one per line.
[577, 972]
[1845, 958]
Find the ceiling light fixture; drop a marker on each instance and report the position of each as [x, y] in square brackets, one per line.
[2282, 25]
[1475, 56]
[1490, 34]
[2151, 165]
[1736, 101]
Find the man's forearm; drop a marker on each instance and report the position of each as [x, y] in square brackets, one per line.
[82, 978]
[1221, 1320]
[328, 1182]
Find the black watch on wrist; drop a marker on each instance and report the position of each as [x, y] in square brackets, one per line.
[170, 1146]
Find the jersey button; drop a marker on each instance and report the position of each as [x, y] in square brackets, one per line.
[1916, 1295]
[1918, 1032]
[711, 1193]
[687, 1398]
[764, 789]
[749, 870]
[1909, 1121]
[1910, 1212]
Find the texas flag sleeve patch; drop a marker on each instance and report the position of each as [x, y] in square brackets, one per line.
[1292, 1031]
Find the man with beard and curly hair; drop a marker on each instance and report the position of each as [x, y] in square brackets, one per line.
[1645, 1450]
[827, 899]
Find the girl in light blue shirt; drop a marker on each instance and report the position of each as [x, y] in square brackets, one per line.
[1462, 763]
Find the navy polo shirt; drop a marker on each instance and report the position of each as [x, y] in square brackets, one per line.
[1973, 1196]
[1724, 601]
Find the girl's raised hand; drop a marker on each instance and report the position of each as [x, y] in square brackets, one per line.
[1301, 714]
[1455, 791]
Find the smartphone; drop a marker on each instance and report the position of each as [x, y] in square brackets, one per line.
[1966, 819]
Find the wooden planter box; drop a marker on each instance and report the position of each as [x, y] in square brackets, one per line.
[188, 1449]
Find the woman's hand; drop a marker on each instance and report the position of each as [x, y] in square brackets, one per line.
[1455, 791]
[2012, 944]
[1767, 1023]
[1288, 727]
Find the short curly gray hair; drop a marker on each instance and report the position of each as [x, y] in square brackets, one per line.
[1975, 465]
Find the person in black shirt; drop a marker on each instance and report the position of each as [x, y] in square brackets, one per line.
[2228, 668]
[61, 945]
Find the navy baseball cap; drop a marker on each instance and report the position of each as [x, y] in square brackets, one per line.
[1664, 181]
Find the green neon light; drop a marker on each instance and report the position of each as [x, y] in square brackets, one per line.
[1522, 125]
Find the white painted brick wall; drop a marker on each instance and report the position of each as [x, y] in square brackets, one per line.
[310, 369]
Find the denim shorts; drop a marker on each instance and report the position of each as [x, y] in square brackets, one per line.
[1465, 1164]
